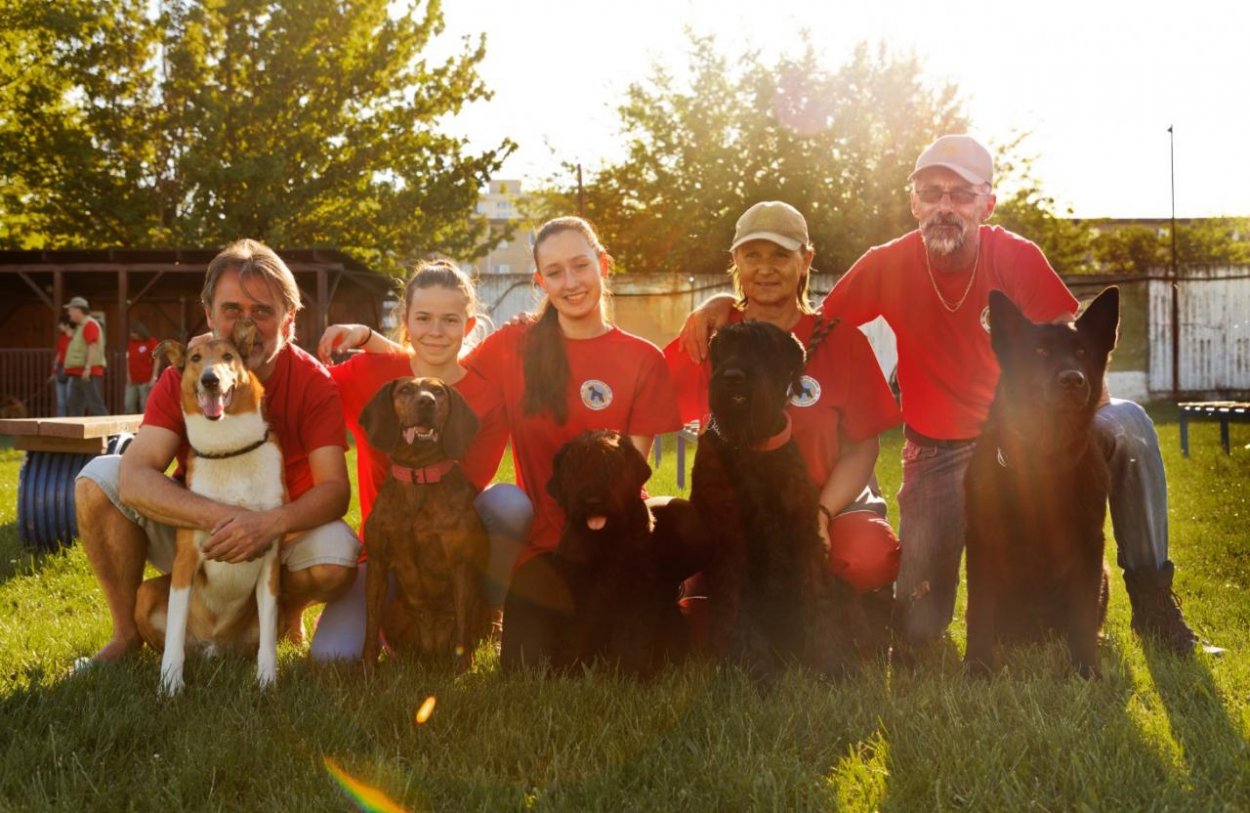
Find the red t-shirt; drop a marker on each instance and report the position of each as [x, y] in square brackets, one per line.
[62, 344]
[139, 361]
[91, 335]
[845, 396]
[946, 369]
[359, 379]
[301, 404]
[616, 381]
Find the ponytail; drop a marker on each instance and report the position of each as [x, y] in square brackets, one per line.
[545, 366]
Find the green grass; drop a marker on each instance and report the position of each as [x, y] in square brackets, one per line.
[1155, 733]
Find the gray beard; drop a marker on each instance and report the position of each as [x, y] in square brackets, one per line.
[941, 246]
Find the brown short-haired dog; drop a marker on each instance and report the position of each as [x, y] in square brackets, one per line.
[423, 528]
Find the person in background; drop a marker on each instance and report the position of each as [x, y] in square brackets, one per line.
[139, 367]
[84, 362]
[60, 379]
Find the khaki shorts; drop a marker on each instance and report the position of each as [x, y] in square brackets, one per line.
[329, 544]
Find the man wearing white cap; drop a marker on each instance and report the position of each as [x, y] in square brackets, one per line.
[84, 362]
[932, 286]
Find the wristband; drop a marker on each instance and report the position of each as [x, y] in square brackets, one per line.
[366, 341]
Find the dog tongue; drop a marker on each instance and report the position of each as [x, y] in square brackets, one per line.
[212, 404]
[596, 523]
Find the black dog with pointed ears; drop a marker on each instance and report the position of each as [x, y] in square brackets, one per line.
[1037, 487]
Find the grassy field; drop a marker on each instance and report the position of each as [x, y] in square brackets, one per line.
[1156, 733]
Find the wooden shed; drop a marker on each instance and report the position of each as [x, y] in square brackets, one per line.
[161, 288]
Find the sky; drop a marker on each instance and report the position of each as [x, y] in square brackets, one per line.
[1096, 84]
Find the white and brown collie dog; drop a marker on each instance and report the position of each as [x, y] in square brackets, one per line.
[234, 459]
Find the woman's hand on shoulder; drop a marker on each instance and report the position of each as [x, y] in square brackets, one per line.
[339, 338]
[702, 323]
[523, 318]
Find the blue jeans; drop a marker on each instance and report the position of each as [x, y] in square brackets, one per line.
[931, 514]
[62, 397]
[506, 513]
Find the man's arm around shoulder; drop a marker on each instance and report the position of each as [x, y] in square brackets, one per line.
[244, 534]
[144, 485]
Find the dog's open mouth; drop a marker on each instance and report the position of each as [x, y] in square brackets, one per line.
[420, 434]
[214, 404]
[596, 522]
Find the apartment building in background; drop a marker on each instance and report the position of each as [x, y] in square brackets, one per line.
[499, 205]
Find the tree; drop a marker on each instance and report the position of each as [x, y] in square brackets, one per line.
[1139, 249]
[838, 145]
[298, 122]
[1130, 250]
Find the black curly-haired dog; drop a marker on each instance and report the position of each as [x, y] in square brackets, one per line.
[773, 598]
[605, 592]
[1037, 487]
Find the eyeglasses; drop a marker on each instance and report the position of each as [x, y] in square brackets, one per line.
[959, 197]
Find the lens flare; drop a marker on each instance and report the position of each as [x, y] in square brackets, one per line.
[366, 798]
[427, 708]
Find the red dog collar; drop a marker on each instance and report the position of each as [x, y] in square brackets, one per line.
[427, 474]
[776, 441]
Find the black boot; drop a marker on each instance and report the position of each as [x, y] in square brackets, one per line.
[1157, 610]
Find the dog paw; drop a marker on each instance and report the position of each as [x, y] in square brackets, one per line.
[171, 682]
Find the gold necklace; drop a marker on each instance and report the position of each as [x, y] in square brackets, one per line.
[949, 307]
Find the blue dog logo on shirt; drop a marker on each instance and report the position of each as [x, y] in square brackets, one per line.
[807, 393]
[596, 394]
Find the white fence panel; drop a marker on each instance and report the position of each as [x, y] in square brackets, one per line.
[1214, 308]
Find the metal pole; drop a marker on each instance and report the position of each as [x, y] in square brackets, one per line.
[581, 194]
[1176, 306]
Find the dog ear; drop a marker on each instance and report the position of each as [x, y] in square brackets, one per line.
[1005, 321]
[553, 485]
[243, 337]
[378, 418]
[460, 427]
[174, 351]
[1101, 320]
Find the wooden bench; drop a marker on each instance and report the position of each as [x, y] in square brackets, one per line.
[56, 450]
[1225, 412]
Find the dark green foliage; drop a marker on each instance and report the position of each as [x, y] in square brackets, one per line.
[302, 123]
[838, 145]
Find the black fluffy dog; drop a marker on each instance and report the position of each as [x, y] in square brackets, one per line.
[604, 592]
[773, 598]
[1037, 487]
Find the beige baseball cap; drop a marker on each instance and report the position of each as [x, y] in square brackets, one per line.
[962, 155]
[775, 221]
[77, 302]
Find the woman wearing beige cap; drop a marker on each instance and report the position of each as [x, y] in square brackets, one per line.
[844, 404]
